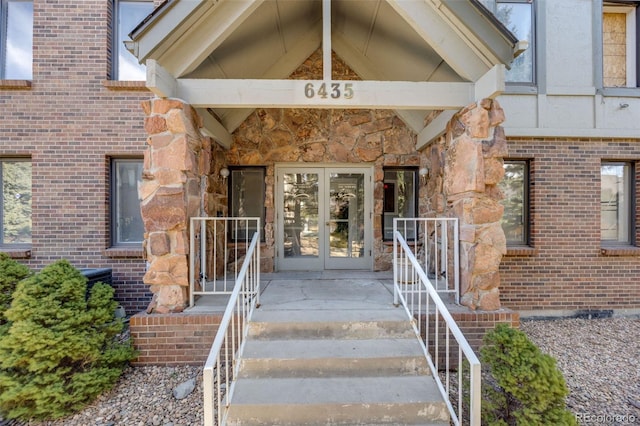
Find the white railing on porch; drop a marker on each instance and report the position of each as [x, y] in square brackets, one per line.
[217, 247]
[221, 367]
[426, 265]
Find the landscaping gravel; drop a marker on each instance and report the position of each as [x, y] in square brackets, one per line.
[600, 360]
[142, 397]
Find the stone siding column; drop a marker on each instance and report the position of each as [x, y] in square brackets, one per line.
[176, 158]
[466, 166]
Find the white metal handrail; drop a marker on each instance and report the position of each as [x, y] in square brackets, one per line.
[217, 246]
[436, 247]
[221, 367]
[434, 327]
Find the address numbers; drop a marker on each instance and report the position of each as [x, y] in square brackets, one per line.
[329, 90]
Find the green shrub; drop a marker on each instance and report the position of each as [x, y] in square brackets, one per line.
[60, 351]
[524, 386]
[11, 272]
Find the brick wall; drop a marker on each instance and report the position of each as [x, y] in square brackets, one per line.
[172, 339]
[473, 324]
[71, 124]
[566, 268]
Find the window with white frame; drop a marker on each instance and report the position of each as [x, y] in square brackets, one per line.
[620, 43]
[400, 198]
[15, 174]
[514, 187]
[616, 201]
[518, 16]
[126, 221]
[16, 39]
[127, 14]
[247, 194]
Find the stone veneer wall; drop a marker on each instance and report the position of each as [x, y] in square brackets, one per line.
[466, 166]
[304, 136]
[177, 184]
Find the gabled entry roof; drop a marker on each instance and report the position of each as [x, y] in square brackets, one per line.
[414, 56]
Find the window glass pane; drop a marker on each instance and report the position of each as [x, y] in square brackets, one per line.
[127, 218]
[16, 202]
[615, 183]
[130, 14]
[517, 17]
[18, 47]
[247, 196]
[514, 219]
[399, 198]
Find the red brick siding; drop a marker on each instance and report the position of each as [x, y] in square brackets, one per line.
[473, 325]
[173, 339]
[70, 125]
[567, 269]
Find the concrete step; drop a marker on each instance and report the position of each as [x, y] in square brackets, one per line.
[342, 357]
[409, 400]
[330, 324]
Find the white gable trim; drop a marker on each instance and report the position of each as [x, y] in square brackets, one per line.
[200, 41]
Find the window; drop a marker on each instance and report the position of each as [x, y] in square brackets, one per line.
[127, 15]
[247, 196]
[16, 201]
[620, 43]
[16, 39]
[400, 198]
[126, 221]
[518, 16]
[514, 186]
[616, 219]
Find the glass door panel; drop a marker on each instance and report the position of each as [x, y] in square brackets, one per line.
[348, 219]
[346, 215]
[300, 215]
[299, 230]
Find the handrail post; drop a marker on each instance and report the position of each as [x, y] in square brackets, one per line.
[395, 264]
[192, 262]
[434, 340]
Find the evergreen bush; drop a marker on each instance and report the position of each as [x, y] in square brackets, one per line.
[61, 350]
[523, 385]
[11, 272]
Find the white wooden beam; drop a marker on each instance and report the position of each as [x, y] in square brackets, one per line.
[491, 84]
[211, 30]
[434, 129]
[326, 40]
[232, 93]
[215, 129]
[160, 81]
[428, 22]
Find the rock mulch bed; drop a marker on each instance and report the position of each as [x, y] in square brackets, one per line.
[142, 397]
[600, 360]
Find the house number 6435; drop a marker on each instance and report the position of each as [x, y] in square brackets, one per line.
[326, 90]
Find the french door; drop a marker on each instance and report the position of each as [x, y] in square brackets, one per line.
[323, 218]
